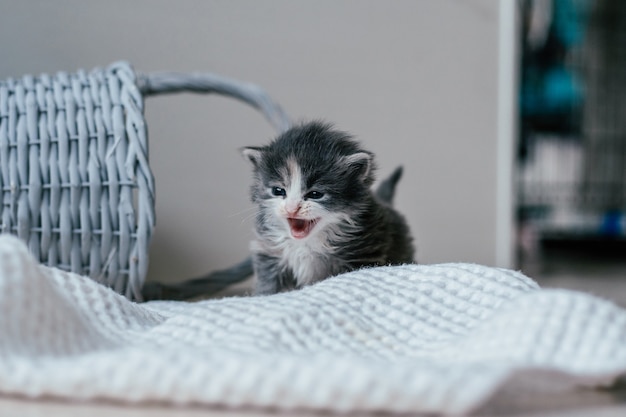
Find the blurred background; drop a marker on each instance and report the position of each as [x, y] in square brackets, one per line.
[571, 171]
[504, 114]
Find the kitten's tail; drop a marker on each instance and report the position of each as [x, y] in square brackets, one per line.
[204, 286]
[387, 188]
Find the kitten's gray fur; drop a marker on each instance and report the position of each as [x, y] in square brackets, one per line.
[321, 177]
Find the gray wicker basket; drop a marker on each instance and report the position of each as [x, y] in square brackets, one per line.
[74, 174]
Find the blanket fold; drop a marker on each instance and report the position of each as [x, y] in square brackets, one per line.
[413, 338]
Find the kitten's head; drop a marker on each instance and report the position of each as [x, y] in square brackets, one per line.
[309, 179]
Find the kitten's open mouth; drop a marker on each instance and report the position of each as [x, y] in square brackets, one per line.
[300, 228]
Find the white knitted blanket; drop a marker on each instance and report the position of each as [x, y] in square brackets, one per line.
[427, 338]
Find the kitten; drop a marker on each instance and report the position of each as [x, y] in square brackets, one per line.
[317, 216]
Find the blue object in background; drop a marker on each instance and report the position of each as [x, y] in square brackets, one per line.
[612, 224]
[555, 90]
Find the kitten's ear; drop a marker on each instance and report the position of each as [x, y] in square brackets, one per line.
[252, 154]
[362, 164]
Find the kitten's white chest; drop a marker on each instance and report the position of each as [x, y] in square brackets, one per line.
[308, 260]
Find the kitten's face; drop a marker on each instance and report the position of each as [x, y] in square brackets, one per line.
[298, 207]
[308, 185]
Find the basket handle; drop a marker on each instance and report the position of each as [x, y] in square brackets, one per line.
[175, 82]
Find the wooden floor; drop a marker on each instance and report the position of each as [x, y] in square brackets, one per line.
[508, 403]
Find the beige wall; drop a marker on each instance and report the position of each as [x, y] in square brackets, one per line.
[416, 80]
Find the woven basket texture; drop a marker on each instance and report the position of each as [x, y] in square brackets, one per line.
[74, 174]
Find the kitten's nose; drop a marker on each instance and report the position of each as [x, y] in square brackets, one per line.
[292, 207]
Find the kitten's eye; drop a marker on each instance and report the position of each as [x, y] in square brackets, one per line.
[278, 192]
[314, 195]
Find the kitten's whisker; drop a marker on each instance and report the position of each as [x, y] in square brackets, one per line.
[249, 217]
[239, 213]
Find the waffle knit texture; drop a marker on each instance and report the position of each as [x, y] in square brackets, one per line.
[413, 338]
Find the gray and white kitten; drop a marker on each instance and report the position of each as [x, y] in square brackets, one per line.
[317, 216]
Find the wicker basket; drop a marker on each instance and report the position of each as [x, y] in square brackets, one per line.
[74, 173]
